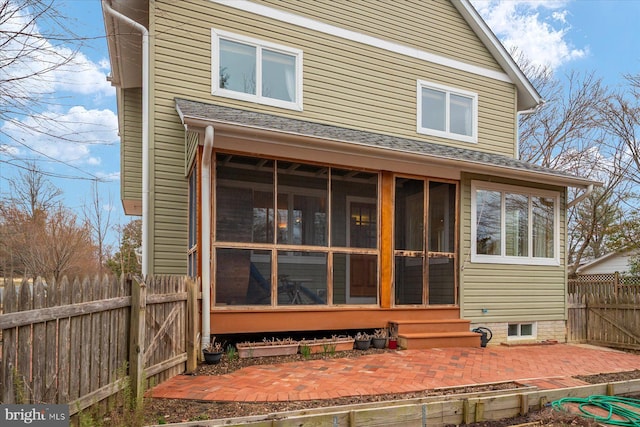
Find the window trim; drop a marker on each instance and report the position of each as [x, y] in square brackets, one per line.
[519, 336]
[217, 35]
[423, 84]
[503, 259]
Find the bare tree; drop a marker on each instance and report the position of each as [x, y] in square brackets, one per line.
[621, 118]
[124, 260]
[582, 128]
[31, 192]
[98, 220]
[39, 236]
[34, 41]
[567, 125]
[50, 245]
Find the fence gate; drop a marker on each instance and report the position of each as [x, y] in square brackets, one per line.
[614, 321]
[71, 342]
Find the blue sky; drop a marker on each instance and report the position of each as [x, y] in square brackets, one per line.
[584, 35]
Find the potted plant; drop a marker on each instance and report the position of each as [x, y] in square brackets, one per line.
[267, 347]
[363, 341]
[379, 339]
[393, 342]
[329, 345]
[213, 352]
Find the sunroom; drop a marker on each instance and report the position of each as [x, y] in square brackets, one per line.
[310, 227]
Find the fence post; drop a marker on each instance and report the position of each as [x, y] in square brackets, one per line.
[193, 345]
[137, 334]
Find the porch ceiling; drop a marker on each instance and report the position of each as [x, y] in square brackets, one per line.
[199, 114]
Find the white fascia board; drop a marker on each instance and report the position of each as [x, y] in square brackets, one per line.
[311, 24]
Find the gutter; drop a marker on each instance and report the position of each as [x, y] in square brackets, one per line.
[581, 197]
[145, 129]
[205, 191]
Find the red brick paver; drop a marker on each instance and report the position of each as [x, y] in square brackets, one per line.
[548, 366]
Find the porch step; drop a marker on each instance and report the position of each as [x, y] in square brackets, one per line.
[438, 340]
[441, 325]
[434, 333]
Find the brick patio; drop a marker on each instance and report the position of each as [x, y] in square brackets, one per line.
[545, 366]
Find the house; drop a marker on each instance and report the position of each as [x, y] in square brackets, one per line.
[611, 263]
[338, 165]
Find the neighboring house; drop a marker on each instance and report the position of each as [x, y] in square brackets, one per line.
[338, 165]
[613, 262]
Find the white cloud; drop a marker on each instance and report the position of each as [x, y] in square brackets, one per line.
[66, 136]
[113, 176]
[537, 28]
[83, 76]
[9, 150]
[36, 67]
[107, 207]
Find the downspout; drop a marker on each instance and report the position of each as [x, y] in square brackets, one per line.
[518, 114]
[145, 130]
[581, 197]
[206, 235]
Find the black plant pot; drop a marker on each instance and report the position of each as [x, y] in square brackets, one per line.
[379, 342]
[212, 358]
[363, 344]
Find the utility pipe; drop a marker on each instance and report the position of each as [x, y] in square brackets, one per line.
[206, 235]
[145, 129]
[524, 113]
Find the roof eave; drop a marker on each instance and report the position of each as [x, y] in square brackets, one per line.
[124, 43]
[322, 143]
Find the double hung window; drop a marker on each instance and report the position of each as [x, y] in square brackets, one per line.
[256, 71]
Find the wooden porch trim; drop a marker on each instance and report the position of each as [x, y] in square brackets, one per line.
[386, 239]
[310, 319]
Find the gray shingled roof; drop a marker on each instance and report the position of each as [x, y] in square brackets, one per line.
[220, 114]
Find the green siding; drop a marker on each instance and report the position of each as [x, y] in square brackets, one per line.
[346, 84]
[509, 293]
[434, 26]
[377, 88]
[131, 145]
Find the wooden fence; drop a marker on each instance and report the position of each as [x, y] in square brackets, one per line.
[605, 310]
[603, 284]
[80, 342]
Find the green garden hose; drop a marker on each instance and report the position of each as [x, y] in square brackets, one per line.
[626, 409]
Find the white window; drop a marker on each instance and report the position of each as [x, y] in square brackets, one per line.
[514, 225]
[447, 112]
[252, 70]
[521, 331]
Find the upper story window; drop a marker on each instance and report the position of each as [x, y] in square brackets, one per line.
[252, 70]
[447, 112]
[514, 225]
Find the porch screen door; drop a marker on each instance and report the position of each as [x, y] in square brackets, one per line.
[425, 242]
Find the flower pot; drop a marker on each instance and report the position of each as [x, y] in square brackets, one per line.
[363, 344]
[379, 342]
[328, 345]
[261, 349]
[212, 358]
[393, 343]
